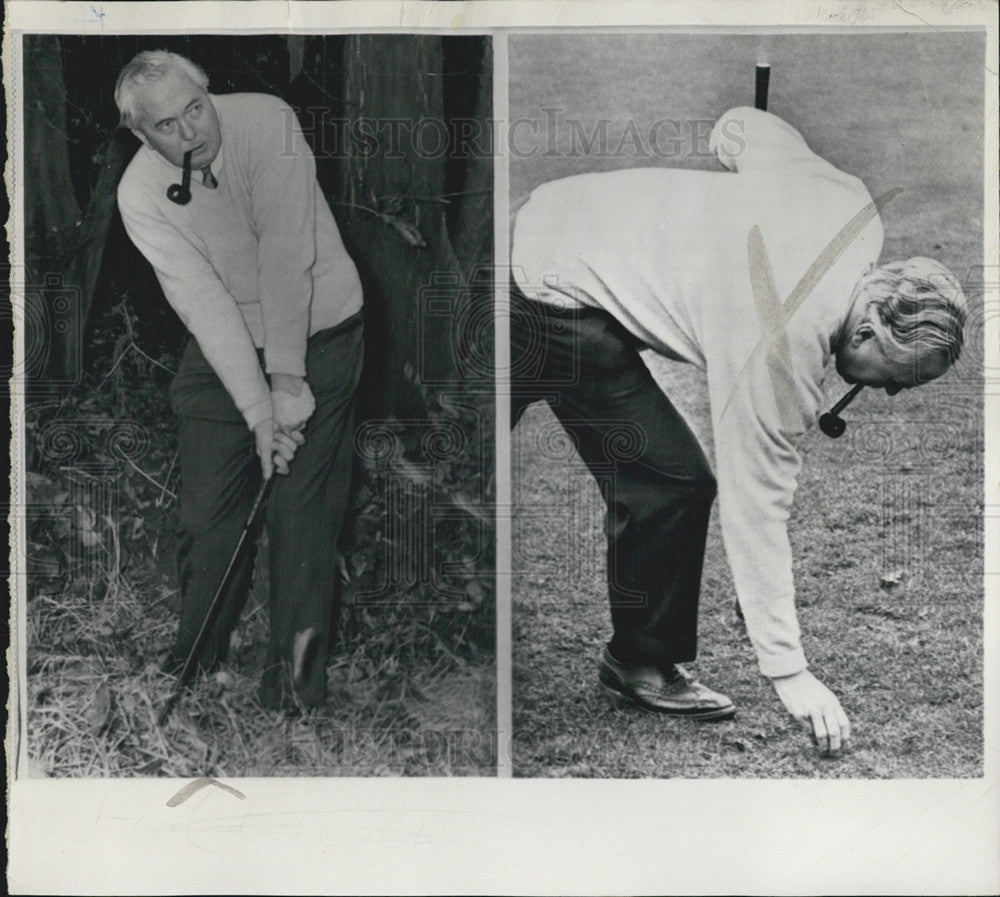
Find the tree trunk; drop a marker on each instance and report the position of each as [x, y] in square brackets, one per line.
[51, 213]
[392, 187]
[64, 248]
[473, 230]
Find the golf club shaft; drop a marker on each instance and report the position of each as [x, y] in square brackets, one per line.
[194, 655]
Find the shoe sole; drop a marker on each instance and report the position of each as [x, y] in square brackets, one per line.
[620, 699]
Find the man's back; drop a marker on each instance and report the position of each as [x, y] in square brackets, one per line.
[664, 250]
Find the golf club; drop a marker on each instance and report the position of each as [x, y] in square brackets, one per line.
[830, 423]
[763, 79]
[199, 643]
[181, 193]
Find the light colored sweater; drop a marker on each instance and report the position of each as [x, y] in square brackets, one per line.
[665, 251]
[257, 262]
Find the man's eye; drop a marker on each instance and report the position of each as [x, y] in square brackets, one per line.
[165, 127]
[196, 111]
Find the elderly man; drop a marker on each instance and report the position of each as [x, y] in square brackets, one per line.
[758, 275]
[249, 256]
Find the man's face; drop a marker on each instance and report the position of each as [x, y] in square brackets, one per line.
[863, 360]
[176, 115]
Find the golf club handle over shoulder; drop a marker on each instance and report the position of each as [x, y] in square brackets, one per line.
[762, 80]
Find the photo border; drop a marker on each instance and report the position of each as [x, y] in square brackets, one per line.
[501, 835]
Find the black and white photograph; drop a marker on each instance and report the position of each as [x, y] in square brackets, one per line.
[735, 258]
[258, 416]
[503, 446]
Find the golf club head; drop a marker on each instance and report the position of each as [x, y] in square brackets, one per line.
[831, 424]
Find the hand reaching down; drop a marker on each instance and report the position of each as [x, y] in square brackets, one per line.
[816, 708]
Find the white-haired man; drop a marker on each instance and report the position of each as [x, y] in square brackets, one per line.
[757, 275]
[222, 199]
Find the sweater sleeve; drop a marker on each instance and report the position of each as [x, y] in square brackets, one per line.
[283, 198]
[206, 307]
[745, 139]
[757, 466]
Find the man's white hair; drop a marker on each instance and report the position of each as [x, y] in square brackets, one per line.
[917, 308]
[147, 66]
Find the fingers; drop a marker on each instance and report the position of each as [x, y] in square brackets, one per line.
[827, 736]
[266, 462]
[845, 727]
[283, 446]
[830, 728]
[817, 710]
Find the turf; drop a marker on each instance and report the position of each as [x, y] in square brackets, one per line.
[900, 493]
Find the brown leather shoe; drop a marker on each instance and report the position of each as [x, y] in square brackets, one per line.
[679, 694]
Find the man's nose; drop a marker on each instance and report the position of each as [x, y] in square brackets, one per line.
[186, 130]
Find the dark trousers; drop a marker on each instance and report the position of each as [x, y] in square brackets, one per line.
[656, 482]
[220, 474]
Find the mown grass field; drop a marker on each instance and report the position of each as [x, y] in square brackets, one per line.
[899, 496]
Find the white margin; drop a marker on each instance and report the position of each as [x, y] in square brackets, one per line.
[521, 836]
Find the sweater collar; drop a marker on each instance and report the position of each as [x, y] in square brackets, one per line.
[176, 172]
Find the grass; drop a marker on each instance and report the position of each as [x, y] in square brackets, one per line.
[901, 492]
[411, 681]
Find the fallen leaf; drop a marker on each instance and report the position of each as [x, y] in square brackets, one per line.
[85, 520]
[893, 578]
[475, 591]
[100, 710]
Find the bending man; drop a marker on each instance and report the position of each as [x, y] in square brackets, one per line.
[699, 266]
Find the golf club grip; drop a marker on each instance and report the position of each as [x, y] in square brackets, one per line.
[194, 655]
[763, 79]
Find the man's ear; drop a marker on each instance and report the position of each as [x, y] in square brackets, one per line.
[139, 134]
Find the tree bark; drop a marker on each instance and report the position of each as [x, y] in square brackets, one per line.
[64, 247]
[392, 187]
[50, 208]
[474, 232]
